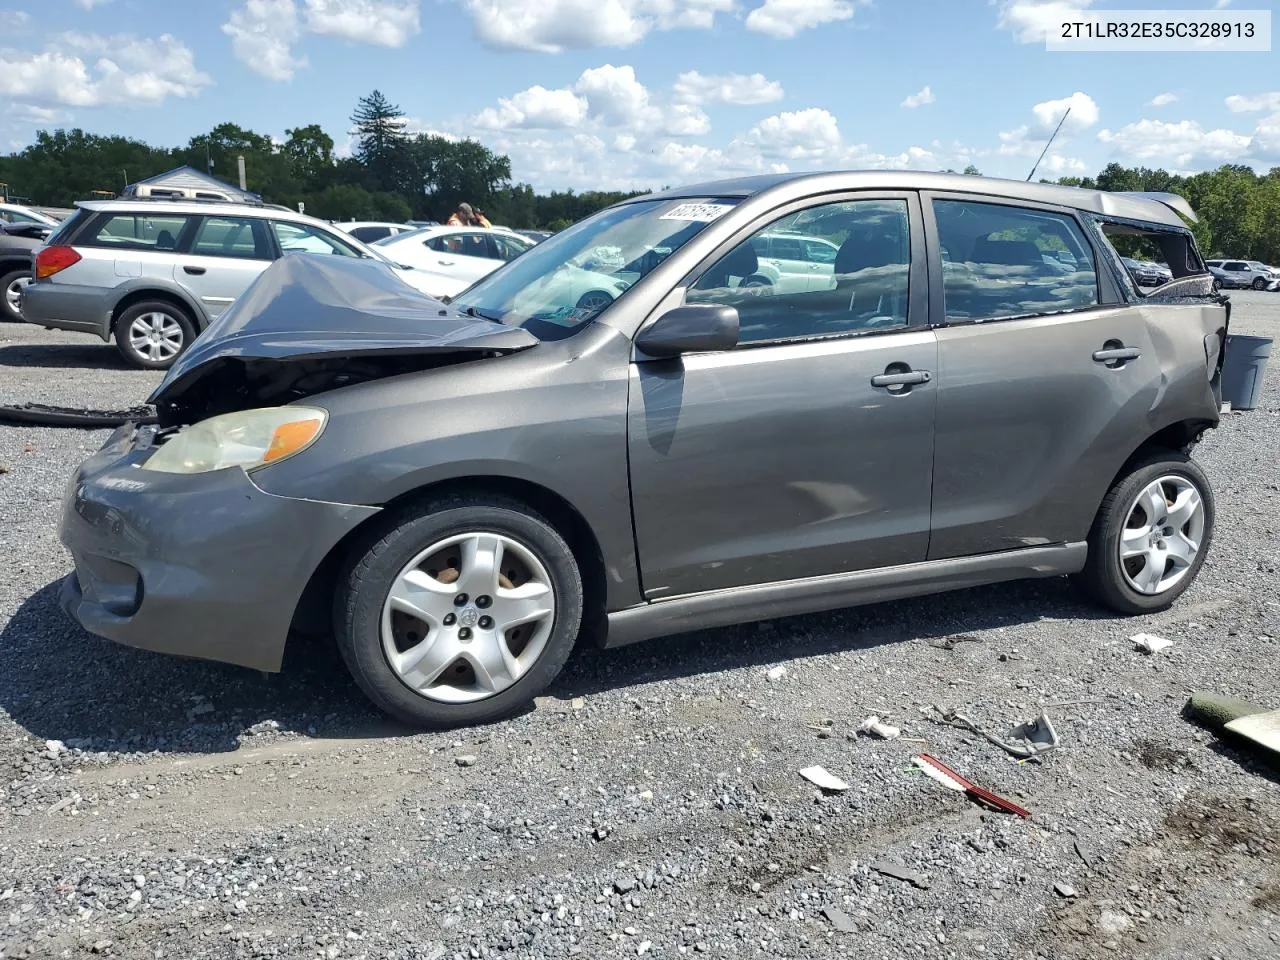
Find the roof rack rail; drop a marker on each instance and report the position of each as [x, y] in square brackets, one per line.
[172, 199]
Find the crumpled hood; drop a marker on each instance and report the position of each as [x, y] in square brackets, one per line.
[315, 307]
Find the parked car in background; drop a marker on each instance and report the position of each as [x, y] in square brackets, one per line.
[453, 258]
[1145, 273]
[537, 236]
[19, 241]
[154, 273]
[463, 493]
[14, 213]
[1244, 273]
[369, 231]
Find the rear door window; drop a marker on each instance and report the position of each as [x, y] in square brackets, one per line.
[1236, 265]
[136, 231]
[1004, 261]
[243, 237]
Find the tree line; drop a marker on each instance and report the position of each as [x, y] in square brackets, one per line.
[391, 174]
[395, 175]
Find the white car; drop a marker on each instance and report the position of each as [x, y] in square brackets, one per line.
[792, 263]
[16, 213]
[371, 231]
[450, 259]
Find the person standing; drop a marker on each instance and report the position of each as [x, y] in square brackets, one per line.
[464, 216]
[481, 219]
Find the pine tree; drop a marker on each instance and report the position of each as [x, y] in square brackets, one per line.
[380, 124]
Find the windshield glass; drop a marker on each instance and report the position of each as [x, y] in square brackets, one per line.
[563, 283]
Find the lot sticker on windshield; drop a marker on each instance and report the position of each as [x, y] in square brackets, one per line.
[697, 212]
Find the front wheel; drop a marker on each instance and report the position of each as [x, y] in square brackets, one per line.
[1217, 284]
[1151, 535]
[1259, 283]
[152, 334]
[460, 612]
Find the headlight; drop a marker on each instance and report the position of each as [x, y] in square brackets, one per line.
[248, 439]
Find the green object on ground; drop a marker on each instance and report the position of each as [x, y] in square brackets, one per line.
[1216, 711]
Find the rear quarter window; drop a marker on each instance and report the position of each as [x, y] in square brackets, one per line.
[68, 227]
[135, 231]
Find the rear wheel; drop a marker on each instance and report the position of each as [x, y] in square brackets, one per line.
[1217, 284]
[460, 612]
[11, 285]
[594, 300]
[1151, 535]
[152, 334]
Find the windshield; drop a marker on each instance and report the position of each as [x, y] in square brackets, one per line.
[563, 283]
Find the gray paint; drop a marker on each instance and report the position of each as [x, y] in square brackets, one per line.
[767, 479]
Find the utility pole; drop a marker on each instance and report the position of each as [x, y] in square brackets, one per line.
[1049, 144]
[240, 164]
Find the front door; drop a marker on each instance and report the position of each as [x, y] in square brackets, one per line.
[808, 449]
[226, 255]
[1042, 388]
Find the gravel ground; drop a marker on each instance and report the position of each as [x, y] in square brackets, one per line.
[154, 807]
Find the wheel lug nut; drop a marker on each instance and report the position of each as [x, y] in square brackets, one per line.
[483, 601]
[460, 600]
[486, 623]
[464, 633]
[450, 619]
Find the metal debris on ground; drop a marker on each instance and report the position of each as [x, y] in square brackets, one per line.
[823, 780]
[1149, 642]
[937, 770]
[949, 643]
[872, 726]
[899, 872]
[1031, 738]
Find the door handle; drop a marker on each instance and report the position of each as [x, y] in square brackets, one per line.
[1112, 354]
[445, 263]
[905, 378]
[194, 271]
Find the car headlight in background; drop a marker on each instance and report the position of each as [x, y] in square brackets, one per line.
[248, 439]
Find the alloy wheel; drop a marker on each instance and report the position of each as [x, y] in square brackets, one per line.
[468, 617]
[155, 336]
[1162, 534]
[13, 293]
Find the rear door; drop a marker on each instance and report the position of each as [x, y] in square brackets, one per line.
[465, 255]
[1045, 379]
[808, 449]
[225, 255]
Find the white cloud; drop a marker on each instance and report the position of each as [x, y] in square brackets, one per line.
[1261, 101]
[1059, 166]
[14, 21]
[797, 135]
[1084, 113]
[381, 23]
[262, 34]
[1030, 20]
[550, 26]
[535, 109]
[786, 18]
[1162, 100]
[1264, 146]
[918, 99]
[88, 70]
[90, 4]
[604, 96]
[733, 88]
[29, 113]
[1182, 146]
[624, 142]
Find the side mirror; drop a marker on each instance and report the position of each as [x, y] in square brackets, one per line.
[692, 328]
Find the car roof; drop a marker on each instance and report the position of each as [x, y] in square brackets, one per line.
[443, 230]
[1160, 208]
[208, 207]
[352, 224]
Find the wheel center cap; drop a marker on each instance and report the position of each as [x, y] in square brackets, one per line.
[468, 617]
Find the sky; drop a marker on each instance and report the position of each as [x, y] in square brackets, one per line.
[632, 94]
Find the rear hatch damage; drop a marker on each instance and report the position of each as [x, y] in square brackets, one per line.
[310, 324]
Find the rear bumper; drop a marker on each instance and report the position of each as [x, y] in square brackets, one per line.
[66, 306]
[200, 565]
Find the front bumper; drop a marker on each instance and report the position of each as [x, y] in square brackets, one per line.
[200, 565]
[67, 306]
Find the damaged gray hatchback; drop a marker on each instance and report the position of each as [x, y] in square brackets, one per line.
[713, 405]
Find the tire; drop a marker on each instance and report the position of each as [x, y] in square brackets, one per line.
[596, 300]
[1113, 582]
[173, 327]
[1259, 283]
[9, 284]
[756, 280]
[380, 645]
[1217, 284]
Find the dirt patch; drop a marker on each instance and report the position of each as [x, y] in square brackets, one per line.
[1160, 756]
